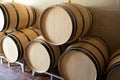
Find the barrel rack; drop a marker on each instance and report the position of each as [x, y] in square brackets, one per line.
[1, 59]
[50, 74]
[22, 65]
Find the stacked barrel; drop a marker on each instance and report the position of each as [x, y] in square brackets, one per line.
[2, 34]
[65, 23]
[42, 56]
[15, 16]
[62, 41]
[84, 60]
[17, 21]
[113, 68]
[61, 25]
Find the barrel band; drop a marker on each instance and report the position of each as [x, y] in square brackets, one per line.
[90, 14]
[25, 35]
[115, 56]
[17, 14]
[83, 25]
[102, 54]
[51, 53]
[97, 64]
[73, 19]
[109, 70]
[90, 55]
[7, 22]
[28, 17]
[34, 15]
[103, 42]
[35, 31]
[48, 50]
[17, 42]
[60, 49]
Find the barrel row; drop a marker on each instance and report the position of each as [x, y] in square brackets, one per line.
[13, 44]
[16, 16]
[88, 56]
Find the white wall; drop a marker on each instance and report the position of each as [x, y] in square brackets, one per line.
[42, 4]
[106, 14]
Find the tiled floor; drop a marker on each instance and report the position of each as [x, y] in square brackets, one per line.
[14, 73]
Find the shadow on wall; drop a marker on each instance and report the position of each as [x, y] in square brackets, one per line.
[106, 24]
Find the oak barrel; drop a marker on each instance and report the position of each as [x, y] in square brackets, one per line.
[113, 69]
[84, 60]
[13, 45]
[2, 34]
[16, 16]
[42, 56]
[64, 23]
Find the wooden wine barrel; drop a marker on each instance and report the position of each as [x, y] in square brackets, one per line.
[2, 34]
[64, 23]
[13, 45]
[16, 16]
[42, 56]
[113, 69]
[84, 60]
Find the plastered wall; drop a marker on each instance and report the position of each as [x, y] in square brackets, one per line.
[106, 15]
